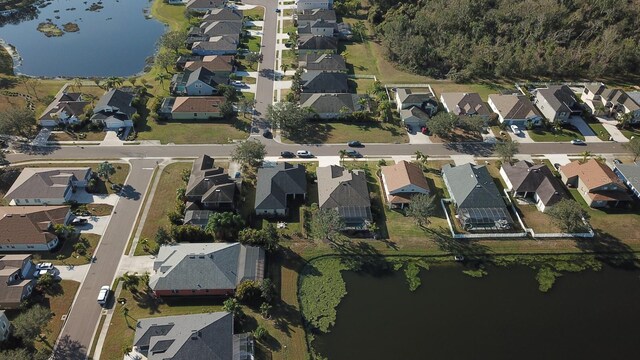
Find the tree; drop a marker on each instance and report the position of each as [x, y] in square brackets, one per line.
[226, 109]
[173, 40]
[30, 323]
[252, 58]
[634, 147]
[296, 84]
[267, 289]
[162, 236]
[80, 248]
[342, 154]
[18, 121]
[443, 124]
[224, 225]
[268, 237]
[113, 82]
[161, 77]
[105, 169]
[166, 60]
[77, 84]
[421, 208]
[233, 306]
[585, 156]
[260, 333]
[569, 216]
[284, 67]
[248, 291]
[422, 159]
[45, 283]
[473, 124]
[290, 118]
[132, 80]
[229, 92]
[360, 29]
[326, 224]
[249, 153]
[265, 310]
[129, 281]
[507, 150]
[16, 354]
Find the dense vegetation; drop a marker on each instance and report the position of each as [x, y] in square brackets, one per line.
[463, 39]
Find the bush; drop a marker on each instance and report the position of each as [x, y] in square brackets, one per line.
[175, 218]
[190, 233]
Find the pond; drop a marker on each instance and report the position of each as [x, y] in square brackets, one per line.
[113, 41]
[587, 315]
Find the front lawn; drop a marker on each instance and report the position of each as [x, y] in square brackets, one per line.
[630, 132]
[195, 132]
[59, 304]
[87, 136]
[255, 14]
[252, 43]
[564, 135]
[69, 256]
[599, 130]
[290, 57]
[343, 132]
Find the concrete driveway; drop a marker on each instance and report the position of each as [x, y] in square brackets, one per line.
[135, 264]
[612, 129]
[83, 197]
[75, 273]
[418, 138]
[561, 159]
[523, 137]
[94, 225]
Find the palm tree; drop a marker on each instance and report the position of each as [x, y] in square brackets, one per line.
[422, 159]
[129, 281]
[161, 77]
[342, 154]
[77, 84]
[133, 80]
[97, 81]
[284, 68]
[585, 155]
[105, 170]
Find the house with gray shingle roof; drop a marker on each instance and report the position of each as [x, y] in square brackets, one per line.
[206, 336]
[64, 109]
[114, 110]
[47, 186]
[308, 43]
[601, 100]
[332, 106]
[318, 27]
[477, 200]
[210, 187]
[414, 117]
[346, 192]
[223, 14]
[16, 280]
[461, 104]
[205, 269]
[216, 45]
[307, 16]
[198, 82]
[629, 174]
[557, 103]
[314, 4]
[425, 100]
[325, 82]
[316, 63]
[515, 109]
[204, 5]
[526, 180]
[277, 186]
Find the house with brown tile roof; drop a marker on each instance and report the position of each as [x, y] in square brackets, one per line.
[47, 186]
[515, 109]
[16, 280]
[221, 65]
[197, 107]
[465, 104]
[526, 180]
[30, 228]
[401, 182]
[596, 182]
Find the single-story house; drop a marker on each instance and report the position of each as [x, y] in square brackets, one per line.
[218, 28]
[535, 182]
[465, 104]
[201, 82]
[277, 186]
[47, 186]
[596, 182]
[515, 110]
[346, 192]
[31, 228]
[308, 43]
[210, 187]
[195, 337]
[205, 269]
[16, 280]
[307, 16]
[217, 45]
[221, 65]
[204, 5]
[223, 14]
[333, 106]
[401, 182]
[407, 98]
[477, 200]
[630, 176]
[197, 107]
[325, 82]
[5, 326]
[319, 62]
[414, 117]
[601, 100]
[114, 110]
[557, 103]
[318, 27]
[314, 4]
[64, 109]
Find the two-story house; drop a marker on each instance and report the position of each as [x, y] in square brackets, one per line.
[31, 228]
[601, 100]
[314, 4]
[200, 82]
[114, 110]
[557, 103]
[596, 182]
[65, 108]
[16, 280]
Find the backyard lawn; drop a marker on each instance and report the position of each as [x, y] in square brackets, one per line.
[170, 14]
[196, 132]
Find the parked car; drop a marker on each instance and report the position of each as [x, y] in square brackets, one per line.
[238, 83]
[287, 154]
[515, 129]
[103, 295]
[39, 273]
[353, 153]
[557, 166]
[44, 266]
[577, 142]
[617, 161]
[277, 10]
[354, 143]
[78, 221]
[304, 154]
[267, 134]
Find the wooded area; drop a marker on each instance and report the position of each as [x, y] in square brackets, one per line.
[465, 39]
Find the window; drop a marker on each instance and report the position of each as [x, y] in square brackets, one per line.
[26, 201]
[38, 201]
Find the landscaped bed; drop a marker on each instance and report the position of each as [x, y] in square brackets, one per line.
[66, 255]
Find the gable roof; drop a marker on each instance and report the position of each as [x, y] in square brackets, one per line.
[326, 82]
[328, 62]
[206, 266]
[223, 14]
[316, 24]
[191, 104]
[203, 75]
[274, 183]
[196, 336]
[221, 42]
[30, 224]
[465, 104]
[316, 14]
[204, 4]
[344, 190]
[44, 183]
[214, 63]
[524, 176]
[116, 101]
[413, 111]
[514, 106]
[331, 103]
[404, 174]
[471, 186]
[592, 173]
[70, 103]
[408, 96]
[316, 42]
[620, 97]
[218, 28]
[210, 183]
[11, 292]
[560, 97]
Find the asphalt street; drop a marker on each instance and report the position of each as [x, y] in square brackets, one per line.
[267, 68]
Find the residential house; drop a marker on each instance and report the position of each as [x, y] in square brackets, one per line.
[5, 327]
[114, 110]
[194, 337]
[305, 17]
[596, 182]
[16, 280]
[533, 182]
[332, 106]
[47, 186]
[346, 192]
[601, 100]
[308, 43]
[515, 110]
[204, 5]
[314, 4]
[408, 98]
[325, 82]
[318, 27]
[477, 200]
[65, 108]
[198, 82]
[277, 186]
[218, 28]
[205, 269]
[557, 103]
[401, 182]
[630, 176]
[319, 62]
[414, 117]
[223, 14]
[217, 45]
[31, 228]
[221, 65]
[210, 187]
[465, 104]
[197, 107]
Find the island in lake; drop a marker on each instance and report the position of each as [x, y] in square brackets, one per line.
[49, 29]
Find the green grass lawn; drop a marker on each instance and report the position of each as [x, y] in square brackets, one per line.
[59, 304]
[631, 132]
[256, 14]
[289, 28]
[252, 43]
[173, 15]
[565, 135]
[196, 132]
[600, 131]
[359, 58]
[290, 57]
[366, 132]
[66, 249]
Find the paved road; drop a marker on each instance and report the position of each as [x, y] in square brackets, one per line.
[75, 339]
[267, 68]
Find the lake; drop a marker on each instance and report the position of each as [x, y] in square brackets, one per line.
[587, 315]
[114, 41]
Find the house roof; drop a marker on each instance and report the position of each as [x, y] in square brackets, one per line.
[197, 217]
[11, 292]
[465, 104]
[214, 63]
[206, 266]
[325, 82]
[620, 97]
[315, 42]
[316, 24]
[514, 106]
[559, 97]
[344, 190]
[527, 177]
[592, 173]
[116, 101]
[204, 4]
[316, 14]
[409, 96]
[595, 88]
[404, 174]
[275, 183]
[44, 183]
[471, 186]
[70, 103]
[631, 173]
[221, 42]
[327, 62]
[223, 14]
[413, 111]
[331, 103]
[186, 337]
[218, 28]
[194, 104]
[30, 224]
[635, 96]
[210, 183]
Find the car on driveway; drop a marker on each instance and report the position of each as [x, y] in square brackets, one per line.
[287, 154]
[617, 161]
[354, 143]
[515, 129]
[352, 153]
[557, 166]
[267, 134]
[238, 83]
[304, 154]
[39, 273]
[79, 221]
[44, 266]
[577, 142]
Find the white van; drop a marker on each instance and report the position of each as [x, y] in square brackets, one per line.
[304, 154]
[103, 295]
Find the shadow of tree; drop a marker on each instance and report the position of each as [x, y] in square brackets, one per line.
[68, 349]
[362, 256]
[146, 300]
[129, 192]
[609, 250]
[468, 248]
[471, 148]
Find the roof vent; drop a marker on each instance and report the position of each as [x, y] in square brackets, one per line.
[195, 334]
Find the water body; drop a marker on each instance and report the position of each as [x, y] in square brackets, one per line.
[589, 315]
[114, 41]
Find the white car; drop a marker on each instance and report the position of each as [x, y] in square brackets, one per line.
[304, 154]
[238, 83]
[42, 272]
[515, 129]
[103, 295]
[44, 266]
